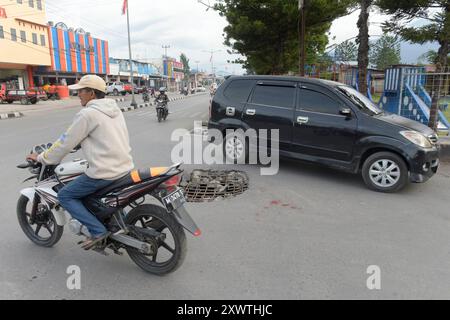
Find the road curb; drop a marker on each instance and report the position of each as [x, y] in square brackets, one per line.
[144, 105]
[10, 115]
[445, 149]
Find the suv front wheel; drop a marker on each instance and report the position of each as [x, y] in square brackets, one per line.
[235, 149]
[385, 172]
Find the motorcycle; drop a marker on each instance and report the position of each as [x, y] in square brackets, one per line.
[161, 110]
[152, 235]
[146, 97]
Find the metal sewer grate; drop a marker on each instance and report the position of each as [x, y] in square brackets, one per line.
[209, 185]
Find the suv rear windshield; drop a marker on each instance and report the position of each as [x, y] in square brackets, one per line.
[363, 103]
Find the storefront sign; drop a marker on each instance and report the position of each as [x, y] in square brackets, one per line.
[3, 13]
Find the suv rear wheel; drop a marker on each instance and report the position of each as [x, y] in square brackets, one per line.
[385, 172]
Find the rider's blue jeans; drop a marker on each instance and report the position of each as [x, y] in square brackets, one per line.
[70, 197]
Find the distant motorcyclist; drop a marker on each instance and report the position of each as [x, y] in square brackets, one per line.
[163, 96]
[145, 95]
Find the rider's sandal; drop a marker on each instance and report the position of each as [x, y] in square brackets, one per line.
[91, 243]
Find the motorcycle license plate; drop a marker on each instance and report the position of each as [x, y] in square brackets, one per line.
[174, 200]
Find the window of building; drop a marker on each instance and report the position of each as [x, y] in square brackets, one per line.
[39, 4]
[23, 36]
[2, 35]
[19, 1]
[31, 3]
[43, 40]
[13, 34]
[35, 39]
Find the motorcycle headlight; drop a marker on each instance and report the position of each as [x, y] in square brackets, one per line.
[417, 138]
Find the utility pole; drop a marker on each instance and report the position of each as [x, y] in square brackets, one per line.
[165, 47]
[212, 62]
[196, 74]
[133, 100]
[302, 26]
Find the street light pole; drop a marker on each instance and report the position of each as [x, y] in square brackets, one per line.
[196, 74]
[133, 100]
[212, 62]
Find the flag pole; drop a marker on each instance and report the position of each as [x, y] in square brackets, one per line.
[133, 101]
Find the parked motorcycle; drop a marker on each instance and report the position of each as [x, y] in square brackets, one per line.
[161, 110]
[152, 235]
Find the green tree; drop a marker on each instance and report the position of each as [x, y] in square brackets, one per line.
[437, 13]
[346, 51]
[430, 56]
[385, 52]
[266, 32]
[186, 68]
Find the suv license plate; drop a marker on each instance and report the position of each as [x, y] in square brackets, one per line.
[174, 200]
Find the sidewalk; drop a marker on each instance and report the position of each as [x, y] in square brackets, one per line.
[16, 110]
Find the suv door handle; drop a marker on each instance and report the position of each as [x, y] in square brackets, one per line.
[302, 120]
[230, 111]
[251, 112]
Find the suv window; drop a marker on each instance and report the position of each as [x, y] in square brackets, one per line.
[277, 96]
[315, 101]
[239, 90]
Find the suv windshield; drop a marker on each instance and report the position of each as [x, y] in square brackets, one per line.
[360, 100]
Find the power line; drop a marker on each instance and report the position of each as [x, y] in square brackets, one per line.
[100, 28]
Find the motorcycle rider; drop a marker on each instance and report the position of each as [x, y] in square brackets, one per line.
[145, 95]
[163, 96]
[101, 130]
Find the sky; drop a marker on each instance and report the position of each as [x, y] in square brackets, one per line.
[184, 25]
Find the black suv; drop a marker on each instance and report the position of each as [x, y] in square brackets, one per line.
[328, 123]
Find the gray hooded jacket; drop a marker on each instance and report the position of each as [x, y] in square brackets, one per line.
[101, 130]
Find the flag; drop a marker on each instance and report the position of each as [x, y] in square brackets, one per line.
[210, 60]
[124, 7]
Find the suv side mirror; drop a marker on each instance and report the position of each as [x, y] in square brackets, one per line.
[345, 112]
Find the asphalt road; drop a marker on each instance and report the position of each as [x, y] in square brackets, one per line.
[306, 233]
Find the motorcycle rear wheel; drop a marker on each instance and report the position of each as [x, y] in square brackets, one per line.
[157, 218]
[47, 223]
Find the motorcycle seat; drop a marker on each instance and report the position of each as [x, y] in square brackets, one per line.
[134, 177]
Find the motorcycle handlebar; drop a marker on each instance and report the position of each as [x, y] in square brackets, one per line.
[29, 164]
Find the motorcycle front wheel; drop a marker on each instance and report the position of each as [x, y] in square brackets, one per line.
[170, 252]
[44, 231]
[159, 115]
